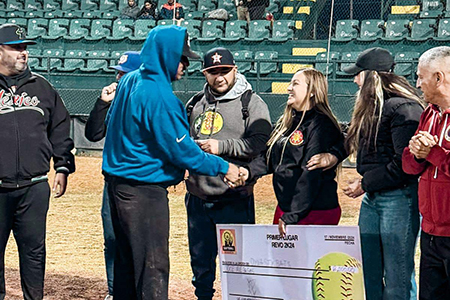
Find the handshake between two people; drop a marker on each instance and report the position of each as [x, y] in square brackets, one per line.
[236, 176]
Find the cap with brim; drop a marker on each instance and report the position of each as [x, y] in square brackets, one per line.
[129, 61]
[11, 34]
[374, 59]
[187, 48]
[218, 58]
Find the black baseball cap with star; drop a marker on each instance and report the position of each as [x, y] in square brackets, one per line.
[218, 57]
[11, 34]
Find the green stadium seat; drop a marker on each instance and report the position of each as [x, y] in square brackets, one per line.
[50, 5]
[405, 63]
[422, 30]
[111, 14]
[57, 28]
[447, 9]
[34, 14]
[34, 59]
[166, 22]
[321, 62]
[263, 64]
[443, 33]
[195, 66]
[92, 14]
[431, 9]
[141, 29]
[32, 5]
[121, 29]
[106, 5]
[52, 59]
[243, 59]
[97, 61]
[371, 30]
[15, 14]
[115, 55]
[206, 5]
[235, 30]
[273, 6]
[396, 30]
[14, 5]
[283, 30]
[54, 14]
[228, 5]
[2, 6]
[258, 31]
[347, 58]
[89, 5]
[193, 28]
[346, 30]
[68, 5]
[198, 15]
[73, 60]
[188, 5]
[79, 28]
[75, 14]
[99, 29]
[22, 22]
[3, 21]
[37, 28]
[211, 30]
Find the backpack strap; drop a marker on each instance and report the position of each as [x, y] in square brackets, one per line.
[191, 104]
[245, 100]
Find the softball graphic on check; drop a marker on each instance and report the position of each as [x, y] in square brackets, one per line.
[337, 276]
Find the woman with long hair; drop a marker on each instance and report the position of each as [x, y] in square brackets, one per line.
[148, 11]
[385, 117]
[307, 127]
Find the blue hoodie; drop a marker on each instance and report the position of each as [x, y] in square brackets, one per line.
[148, 133]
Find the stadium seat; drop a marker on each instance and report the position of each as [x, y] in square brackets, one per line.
[447, 9]
[14, 5]
[97, 61]
[141, 29]
[68, 5]
[189, 5]
[273, 6]
[347, 59]
[106, 5]
[54, 14]
[371, 30]
[346, 30]
[33, 5]
[76, 14]
[443, 33]
[121, 29]
[283, 30]
[52, 59]
[321, 62]
[34, 14]
[193, 28]
[2, 6]
[50, 5]
[3, 21]
[194, 15]
[431, 9]
[195, 65]
[57, 28]
[166, 22]
[422, 30]
[405, 63]
[37, 28]
[258, 31]
[99, 29]
[89, 5]
[244, 60]
[115, 56]
[34, 59]
[111, 14]
[79, 28]
[22, 22]
[206, 5]
[261, 64]
[396, 30]
[228, 5]
[211, 30]
[235, 30]
[92, 14]
[15, 14]
[73, 60]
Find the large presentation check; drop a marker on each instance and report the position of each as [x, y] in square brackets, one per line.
[310, 262]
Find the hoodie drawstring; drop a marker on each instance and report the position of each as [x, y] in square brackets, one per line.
[440, 141]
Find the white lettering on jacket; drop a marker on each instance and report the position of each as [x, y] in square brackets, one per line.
[20, 102]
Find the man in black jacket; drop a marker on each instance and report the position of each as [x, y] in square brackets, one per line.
[35, 128]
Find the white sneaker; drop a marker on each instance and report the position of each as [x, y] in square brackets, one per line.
[109, 297]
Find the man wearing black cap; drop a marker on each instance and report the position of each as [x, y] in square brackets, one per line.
[35, 128]
[95, 130]
[147, 149]
[229, 120]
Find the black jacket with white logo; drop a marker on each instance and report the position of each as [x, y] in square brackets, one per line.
[34, 127]
[298, 190]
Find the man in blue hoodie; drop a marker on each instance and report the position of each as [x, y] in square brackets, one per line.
[147, 149]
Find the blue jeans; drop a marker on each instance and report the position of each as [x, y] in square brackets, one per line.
[389, 224]
[110, 239]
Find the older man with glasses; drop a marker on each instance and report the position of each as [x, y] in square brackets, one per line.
[229, 120]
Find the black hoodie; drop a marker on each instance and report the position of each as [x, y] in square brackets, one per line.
[35, 127]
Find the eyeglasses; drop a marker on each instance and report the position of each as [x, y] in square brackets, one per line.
[219, 71]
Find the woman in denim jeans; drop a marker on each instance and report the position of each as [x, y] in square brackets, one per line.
[386, 115]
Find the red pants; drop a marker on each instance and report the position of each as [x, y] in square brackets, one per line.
[315, 217]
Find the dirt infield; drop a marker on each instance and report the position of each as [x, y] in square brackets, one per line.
[75, 266]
